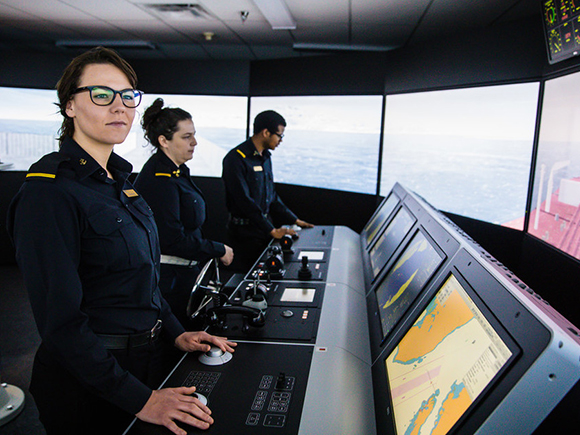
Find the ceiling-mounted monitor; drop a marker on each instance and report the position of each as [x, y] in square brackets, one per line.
[562, 29]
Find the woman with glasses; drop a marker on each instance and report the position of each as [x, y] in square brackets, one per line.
[88, 249]
[178, 205]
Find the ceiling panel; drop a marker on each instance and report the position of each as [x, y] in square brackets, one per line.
[47, 9]
[37, 24]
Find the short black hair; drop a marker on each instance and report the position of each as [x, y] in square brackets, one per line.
[269, 120]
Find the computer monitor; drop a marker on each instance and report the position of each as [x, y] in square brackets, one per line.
[476, 353]
[405, 280]
[389, 240]
[376, 222]
[444, 362]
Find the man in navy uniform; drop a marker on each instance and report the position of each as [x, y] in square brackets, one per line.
[256, 211]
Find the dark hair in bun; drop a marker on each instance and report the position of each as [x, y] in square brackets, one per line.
[158, 121]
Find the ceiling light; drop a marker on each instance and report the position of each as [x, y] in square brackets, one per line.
[277, 14]
[305, 46]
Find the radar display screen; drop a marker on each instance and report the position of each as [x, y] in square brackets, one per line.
[562, 28]
[443, 363]
[405, 280]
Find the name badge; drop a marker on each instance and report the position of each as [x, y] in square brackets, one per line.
[258, 169]
[130, 193]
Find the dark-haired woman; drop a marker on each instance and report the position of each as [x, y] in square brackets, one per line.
[87, 246]
[177, 203]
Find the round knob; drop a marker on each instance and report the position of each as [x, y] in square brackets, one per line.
[214, 352]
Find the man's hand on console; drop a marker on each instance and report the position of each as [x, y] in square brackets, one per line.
[168, 405]
[303, 224]
[278, 233]
[192, 341]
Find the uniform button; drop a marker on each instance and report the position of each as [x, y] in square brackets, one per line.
[119, 220]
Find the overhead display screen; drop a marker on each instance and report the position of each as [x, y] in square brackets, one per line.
[562, 28]
[448, 357]
[405, 280]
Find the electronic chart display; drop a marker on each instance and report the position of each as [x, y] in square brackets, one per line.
[405, 281]
[389, 240]
[443, 363]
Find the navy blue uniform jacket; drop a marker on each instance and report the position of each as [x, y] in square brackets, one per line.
[89, 254]
[250, 191]
[179, 209]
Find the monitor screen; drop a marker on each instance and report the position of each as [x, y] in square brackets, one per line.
[389, 240]
[561, 29]
[380, 217]
[405, 280]
[443, 363]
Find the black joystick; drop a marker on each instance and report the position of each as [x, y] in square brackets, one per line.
[304, 273]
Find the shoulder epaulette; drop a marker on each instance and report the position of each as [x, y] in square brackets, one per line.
[241, 154]
[47, 166]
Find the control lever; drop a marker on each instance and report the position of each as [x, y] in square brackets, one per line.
[286, 243]
[251, 316]
[274, 263]
[304, 273]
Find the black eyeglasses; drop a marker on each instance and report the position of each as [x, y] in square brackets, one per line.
[281, 136]
[104, 96]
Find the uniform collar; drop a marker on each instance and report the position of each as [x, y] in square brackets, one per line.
[166, 165]
[250, 150]
[84, 165]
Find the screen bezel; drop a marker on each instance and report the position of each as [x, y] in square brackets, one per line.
[373, 277]
[367, 244]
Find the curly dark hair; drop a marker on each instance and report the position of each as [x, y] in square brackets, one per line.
[159, 121]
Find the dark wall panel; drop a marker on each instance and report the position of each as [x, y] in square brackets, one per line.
[511, 52]
[202, 77]
[341, 74]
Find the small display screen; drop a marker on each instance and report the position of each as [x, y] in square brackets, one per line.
[312, 255]
[443, 363]
[380, 217]
[390, 240]
[305, 295]
[405, 280]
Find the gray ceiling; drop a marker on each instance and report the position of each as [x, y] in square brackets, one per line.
[49, 25]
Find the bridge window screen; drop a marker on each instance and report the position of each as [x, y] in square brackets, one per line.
[466, 151]
[555, 208]
[330, 141]
[29, 124]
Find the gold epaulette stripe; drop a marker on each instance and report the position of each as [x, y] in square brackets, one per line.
[162, 174]
[241, 154]
[40, 174]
